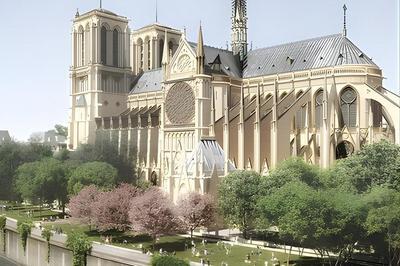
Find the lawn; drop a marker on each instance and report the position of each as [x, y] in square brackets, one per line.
[217, 252]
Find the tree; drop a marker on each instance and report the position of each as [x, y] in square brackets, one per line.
[43, 181]
[81, 205]
[61, 130]
[13, 155]
[383, 221]
[107, 152]
[237, 199]
[293, 169]
[101, 174]
[375, 164]
[196, 210]
[111, 209]
[153, 213]
[36, 137]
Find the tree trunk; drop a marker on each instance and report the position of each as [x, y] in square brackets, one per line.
[191, 234]
[288, 258]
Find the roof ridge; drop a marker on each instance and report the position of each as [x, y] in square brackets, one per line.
[213, 47]
[300, 41]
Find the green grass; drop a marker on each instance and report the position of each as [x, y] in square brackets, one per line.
[170, 244]
[20, 213]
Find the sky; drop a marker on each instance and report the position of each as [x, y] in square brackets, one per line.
[35, 42]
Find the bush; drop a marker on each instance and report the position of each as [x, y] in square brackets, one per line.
[80, 246]
[168, 261]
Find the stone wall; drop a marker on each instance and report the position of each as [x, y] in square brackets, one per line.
[36, 251]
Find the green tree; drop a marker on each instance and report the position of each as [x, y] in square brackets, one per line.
[101, 174]
[293, 169]
[12, 155]
[61, 130]
[43, 181]
[375, 164]
[107, 152]
[237, 199]
[383, 222]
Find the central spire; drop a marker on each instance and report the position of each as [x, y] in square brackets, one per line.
[239, 28]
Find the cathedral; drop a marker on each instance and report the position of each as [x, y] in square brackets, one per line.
[189, 114]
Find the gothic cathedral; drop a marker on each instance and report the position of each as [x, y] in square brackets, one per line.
[188, 113]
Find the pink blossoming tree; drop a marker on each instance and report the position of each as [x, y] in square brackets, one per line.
[196, 210]
[154, 214]
[111, 210]
[81, 205]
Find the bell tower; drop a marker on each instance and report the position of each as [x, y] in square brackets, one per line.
[100, 72]
[239, 28]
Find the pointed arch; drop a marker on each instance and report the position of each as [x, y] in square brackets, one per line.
[103, 45]
[116, 47]
[318, 103]
[348, 106]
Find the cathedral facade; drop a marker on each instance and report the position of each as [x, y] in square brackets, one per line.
[189, 114]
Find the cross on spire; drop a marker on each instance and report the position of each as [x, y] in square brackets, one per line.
[344, 21]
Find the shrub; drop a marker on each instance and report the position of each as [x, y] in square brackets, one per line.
[80, 245]
[24, 230]
[168, 261]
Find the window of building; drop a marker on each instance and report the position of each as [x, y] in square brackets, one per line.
[148, 54]
[83, 47]
[103, 45]
[115, 48]
[141, 54]
[348, 106]
[319, 97]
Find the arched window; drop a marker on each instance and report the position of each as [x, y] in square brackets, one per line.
[115, 48]
[171, 48]
[103, 45]
[140, 59]
[149, 54]
[319, 97]
[348, 106]
[161, 49]
[283, 95]
[81, 46]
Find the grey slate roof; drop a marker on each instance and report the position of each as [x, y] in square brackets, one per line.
[148, 81]
[230, 64]
[327, 51]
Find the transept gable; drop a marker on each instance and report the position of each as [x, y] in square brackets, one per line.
[183, 63]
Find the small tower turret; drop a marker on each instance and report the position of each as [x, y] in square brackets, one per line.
[200, 56]
[239, 28]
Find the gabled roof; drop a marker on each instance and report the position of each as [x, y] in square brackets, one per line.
[148, 81]
[230, 64]
[327, 51]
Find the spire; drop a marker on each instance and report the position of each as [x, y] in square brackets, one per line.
[165, 58]
[101, 4]
[156, 11]
[77, 13]
[200, 52]
[239, 28]
[344, 21]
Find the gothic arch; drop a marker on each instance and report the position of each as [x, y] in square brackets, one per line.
[116, 44]
[349, 102]
[103, 43]
[283, 95]
[318, 107]
[140, 54]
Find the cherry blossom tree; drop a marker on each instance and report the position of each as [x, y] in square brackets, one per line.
[196, 210]
[154, 214]
[81, 205]
[111, 210]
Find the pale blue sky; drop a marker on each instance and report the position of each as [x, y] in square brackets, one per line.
[35, 42]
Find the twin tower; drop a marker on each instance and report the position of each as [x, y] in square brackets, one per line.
[107, 57]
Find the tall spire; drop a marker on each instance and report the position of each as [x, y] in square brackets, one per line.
[156, 11]
[344, 21]
[101, 4]
[165, 57]
[200, 52]
[239, 28]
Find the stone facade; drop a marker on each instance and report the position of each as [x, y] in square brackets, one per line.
[194, 113]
